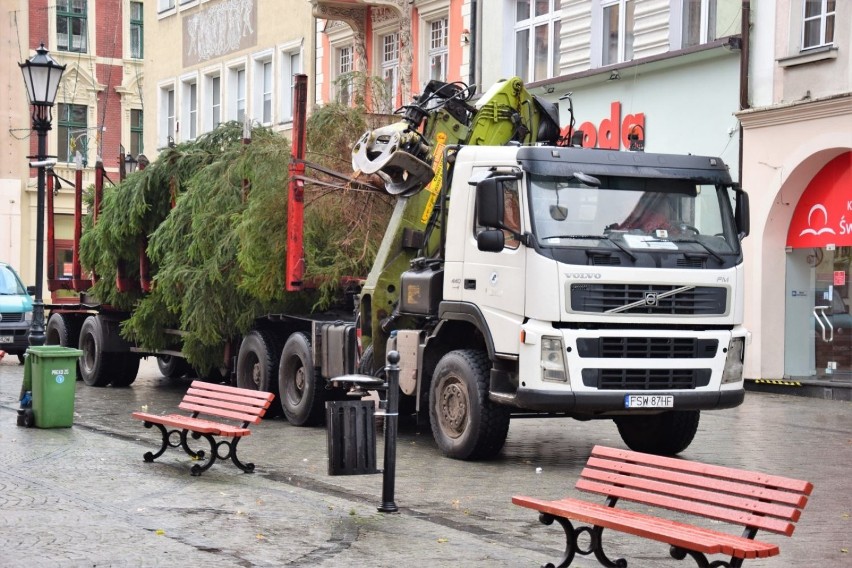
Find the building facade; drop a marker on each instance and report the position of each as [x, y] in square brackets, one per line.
[221, 60]
[797, 153]
[96, 115]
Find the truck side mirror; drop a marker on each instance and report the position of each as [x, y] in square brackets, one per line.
[741, 214]
[491, 240]
[31, 290]
[489, 203]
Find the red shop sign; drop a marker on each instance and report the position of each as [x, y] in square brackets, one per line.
[823, 215]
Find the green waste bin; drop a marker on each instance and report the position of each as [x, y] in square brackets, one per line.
[52, 370]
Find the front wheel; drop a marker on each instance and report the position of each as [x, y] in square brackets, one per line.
[302, 394]
[664, 434]
[465, 424]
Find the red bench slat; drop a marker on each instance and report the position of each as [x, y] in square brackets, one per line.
[686, 536]
[721, 485]
[229, 390]
[693, 494]
[741, 475]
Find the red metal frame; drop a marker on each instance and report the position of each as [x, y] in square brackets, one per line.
[295, 269]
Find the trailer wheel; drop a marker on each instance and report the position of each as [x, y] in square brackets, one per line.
[64, 330]
[465, 424]
[663, 434]
[257, 361]
[125, 367]
[302, 394]
[172, 367]
[94, 364]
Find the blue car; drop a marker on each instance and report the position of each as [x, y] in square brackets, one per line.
[16, 313]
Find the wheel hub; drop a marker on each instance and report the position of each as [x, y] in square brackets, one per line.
[454, 407]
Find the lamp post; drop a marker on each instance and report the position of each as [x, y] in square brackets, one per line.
[41, 77]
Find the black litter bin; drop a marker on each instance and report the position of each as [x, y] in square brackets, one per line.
[351, 436]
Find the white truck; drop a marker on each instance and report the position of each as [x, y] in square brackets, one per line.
[578, 282]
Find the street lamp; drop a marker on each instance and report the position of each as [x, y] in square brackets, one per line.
[41, 77]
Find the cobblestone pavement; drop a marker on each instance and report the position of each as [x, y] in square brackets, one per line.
[83, 496]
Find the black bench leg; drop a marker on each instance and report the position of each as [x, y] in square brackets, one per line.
[199, 469]
[700, 559]
[232, 451]
[149, 457]
[184, 443]
[572, 546]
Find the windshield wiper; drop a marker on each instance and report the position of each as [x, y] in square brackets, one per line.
[715, 255]
[624, 249]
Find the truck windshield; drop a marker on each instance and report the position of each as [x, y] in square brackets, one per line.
[632, 213]
[9, 283]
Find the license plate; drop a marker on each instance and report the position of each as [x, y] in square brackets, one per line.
[649, 401]
[7, 338]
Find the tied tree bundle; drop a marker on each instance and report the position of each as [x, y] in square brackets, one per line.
[218, 254]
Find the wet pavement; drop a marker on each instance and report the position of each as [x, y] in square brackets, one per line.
[83, 496]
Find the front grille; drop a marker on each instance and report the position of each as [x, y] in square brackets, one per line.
[604, 260]
[601, 298]
[646, 379]
[11, 317]
[647, 347]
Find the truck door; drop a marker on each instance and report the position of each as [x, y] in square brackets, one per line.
[494, 281]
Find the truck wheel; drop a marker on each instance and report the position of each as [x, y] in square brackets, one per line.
[663, 434]
[172, 367]
[94, 364]
[302, 394]
[257, 361]
[465, 424]
[125, 367]
[64, 330]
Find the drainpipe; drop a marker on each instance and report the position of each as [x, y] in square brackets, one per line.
[745, 40]
[474, 25]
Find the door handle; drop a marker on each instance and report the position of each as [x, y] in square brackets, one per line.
[830, 327]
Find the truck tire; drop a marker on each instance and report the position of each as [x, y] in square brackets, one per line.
[663, 434]
[64, 330]
[124, 368]
[465, 424]
[94, 363]
[172, 367]
[257, 362]
[302, 393]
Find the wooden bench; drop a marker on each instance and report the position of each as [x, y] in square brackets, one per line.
[753, 500]
[240, 405]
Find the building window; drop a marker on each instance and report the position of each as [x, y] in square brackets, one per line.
[136, 51]
[438, 51]
[71, 128]
[213, 102]
[703, 21]
[343, 75]
[537, 27]
[291, 64]
[617, 31]
[136, 146]
[167, 115]
[262, 105]
[163, 5]
[189, 110]
[390, 70]
[818, 29]
[237, 94]
[71, 25]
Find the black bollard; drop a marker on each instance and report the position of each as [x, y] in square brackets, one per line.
[391, 424]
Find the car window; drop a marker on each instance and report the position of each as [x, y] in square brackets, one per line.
[9, 283]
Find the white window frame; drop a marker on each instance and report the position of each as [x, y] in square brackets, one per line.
[210, 118]
[822, 17]
[166, 112]
[343, 64]
[290, 63]
[261, 89]
[166, 7]
[386, 59]
[431, 50]
[188, 125]
[236, 90]
[598, 38]
[552, 19]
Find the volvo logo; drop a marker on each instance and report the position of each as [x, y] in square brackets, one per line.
[583, 275]
[651, 299]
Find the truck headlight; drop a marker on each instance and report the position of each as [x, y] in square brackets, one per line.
[553, 360]
[733, 372]
[28, 317]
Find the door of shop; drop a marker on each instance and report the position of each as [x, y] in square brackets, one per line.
[818, 341]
